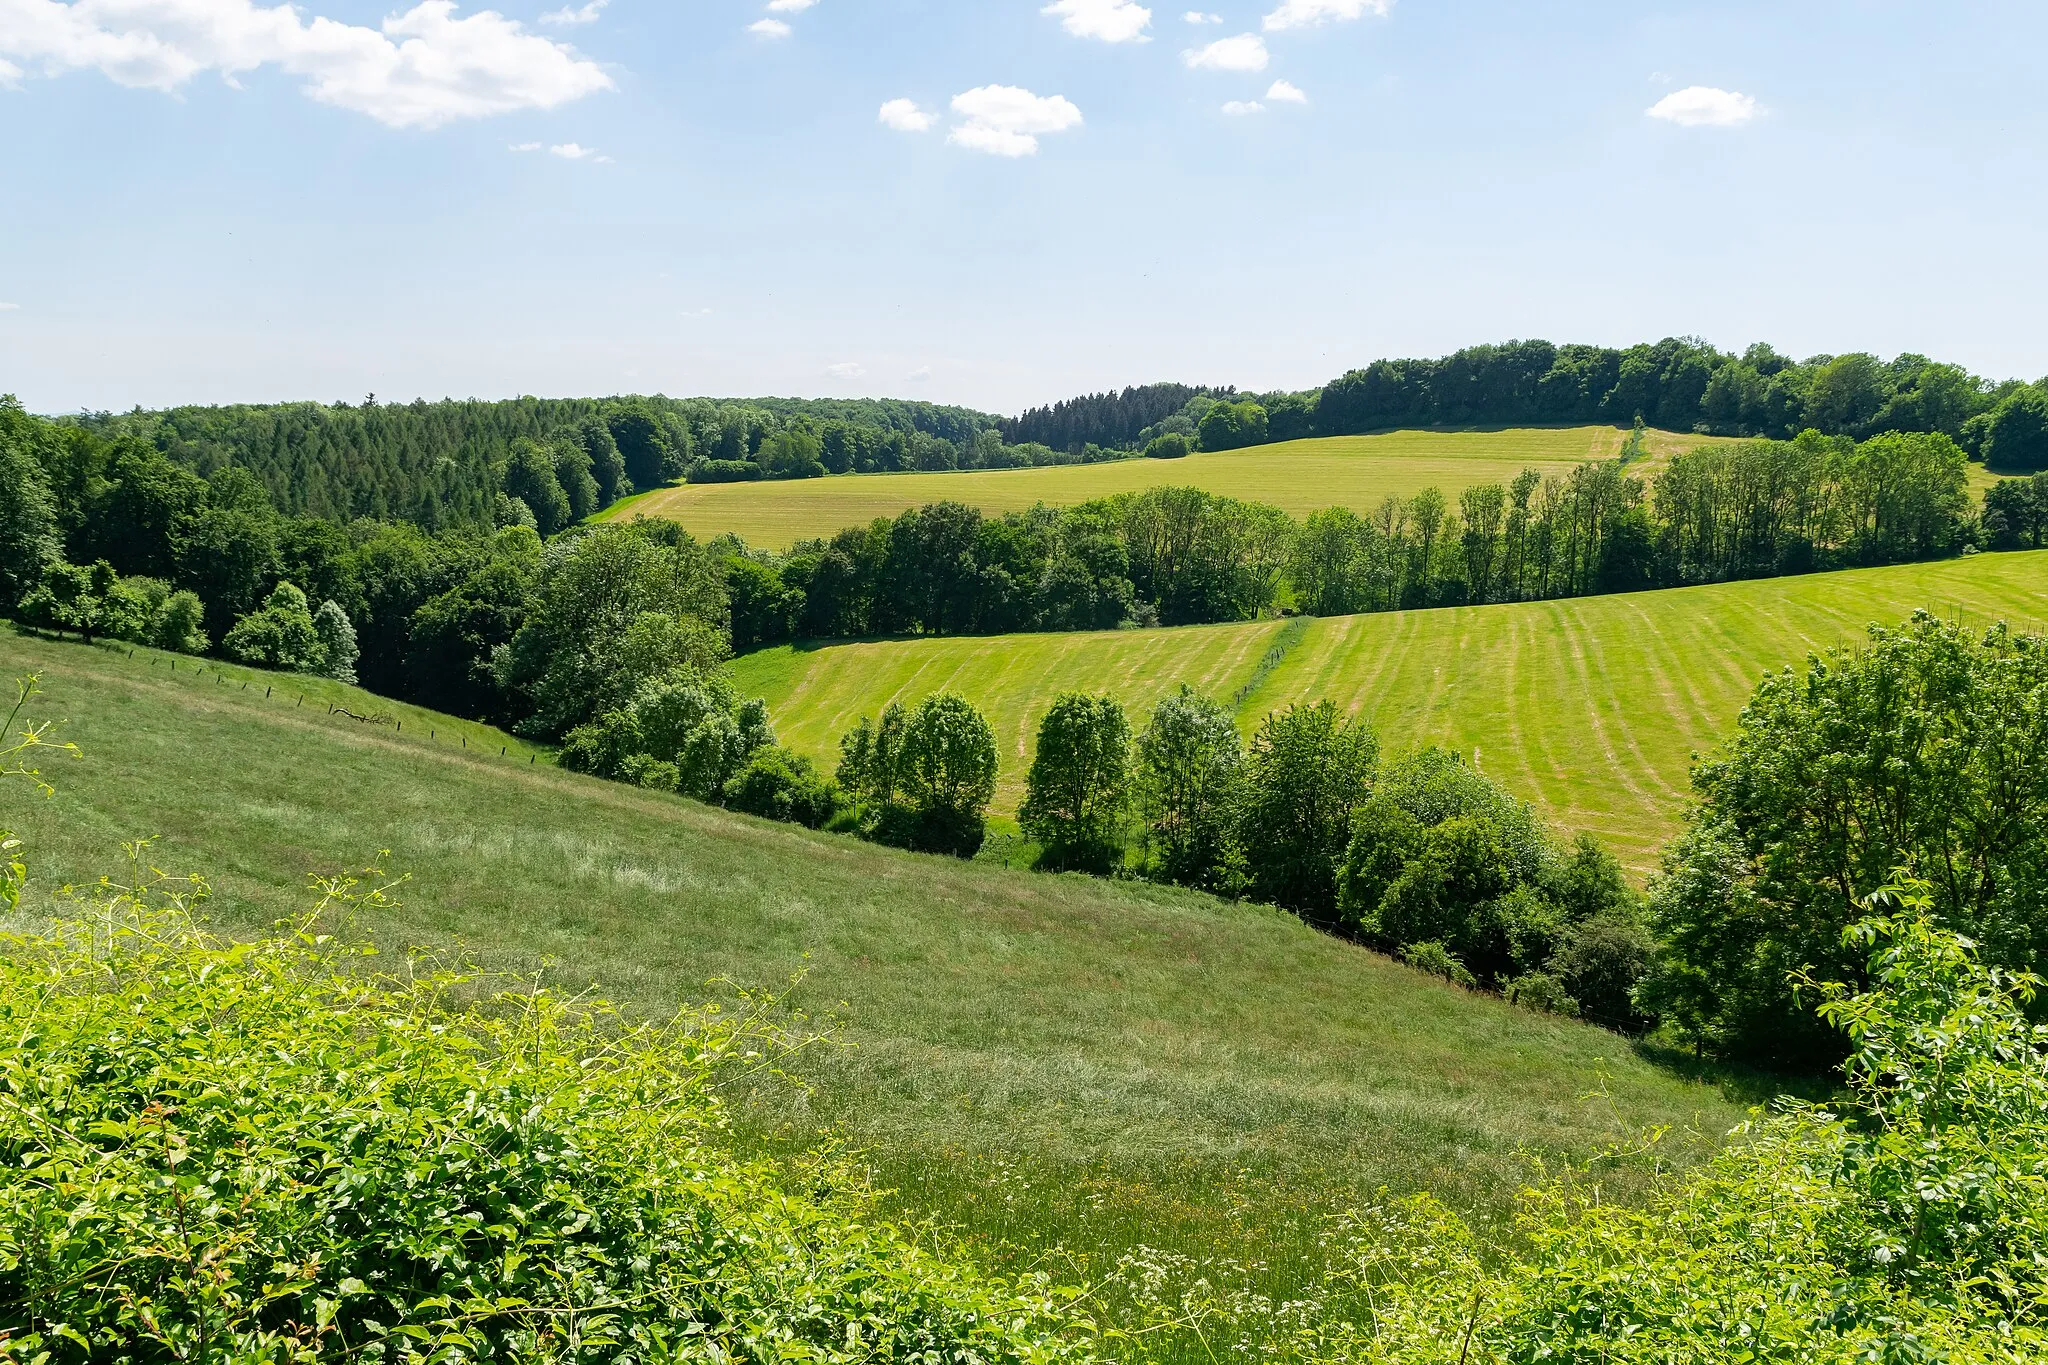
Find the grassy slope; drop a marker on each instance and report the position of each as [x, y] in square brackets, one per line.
[1046, 1060]
[1589, 708]
[1300, 476]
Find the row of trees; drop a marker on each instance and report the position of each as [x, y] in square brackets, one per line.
[1180, 555]
[1926, 750]
[1421, 855]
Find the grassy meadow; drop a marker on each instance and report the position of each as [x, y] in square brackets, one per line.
[1044, 1062]
[1589, 708]
[1297, 476]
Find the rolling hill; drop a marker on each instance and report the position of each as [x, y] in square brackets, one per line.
[1298, 476]
[1046, 1061]
[1589, 708]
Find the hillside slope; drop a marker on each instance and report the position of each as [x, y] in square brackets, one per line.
[1044, 1059]
[1589, 708]
[1298, 476]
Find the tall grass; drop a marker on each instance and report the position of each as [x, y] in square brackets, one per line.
[1063, 1069]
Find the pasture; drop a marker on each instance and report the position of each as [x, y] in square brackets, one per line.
[1297, 476]
[1590, 708]
[1054, 1065]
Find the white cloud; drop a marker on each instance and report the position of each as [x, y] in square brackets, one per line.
[770, 28]
[1702, 106]
[1311, 13]
[1286, 92]
[1245, 52]
[569, 151]
[1004, 120]
[419, 69]
[846, 369]
[1195, 16]
[1239, 108]
[922, 374]
[575, 14]
[11, 307]
[1113, 21]
[789, 6]
[523, 147]
[905, 117]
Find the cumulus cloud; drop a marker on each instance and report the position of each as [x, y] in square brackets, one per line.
[1312, 13]
[770, 28]
[905, 117]
[846, 369]
[575, 14]
[920, 375]
[523, 147]
[1113, 21]
[1245, 52]
[1195, 16]
[418, 69]
[1239, 108]
[789, 6]
[570, 151]
[9, 307]
[1286, 92]
[1004, 120]
[1703, 106]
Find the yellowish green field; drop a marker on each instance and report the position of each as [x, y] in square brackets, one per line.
[1590, 709]
[1299, 476]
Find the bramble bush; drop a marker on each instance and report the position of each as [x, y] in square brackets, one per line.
[276, 1151]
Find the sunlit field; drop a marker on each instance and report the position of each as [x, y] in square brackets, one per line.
[1299, 476]
[1589, 708]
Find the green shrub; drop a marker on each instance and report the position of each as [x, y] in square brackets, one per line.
[1440, 852]
[723, 471]
[1437, 960]
[1543, 993]
[272, 1151]
[177, 624]
[780, 785]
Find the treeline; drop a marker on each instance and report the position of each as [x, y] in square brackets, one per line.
[444, 464]
[441, 464]
[1180, 555]
[1679, 384]
[1111, 420]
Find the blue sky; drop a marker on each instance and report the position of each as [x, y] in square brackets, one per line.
[211, 200]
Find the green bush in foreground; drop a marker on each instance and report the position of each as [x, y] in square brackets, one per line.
[271, 1151]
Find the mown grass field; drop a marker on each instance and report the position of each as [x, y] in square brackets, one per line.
[1299, 476]
[1590, 709]
[1043, 1061]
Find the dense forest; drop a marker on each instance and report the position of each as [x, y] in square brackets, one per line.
[442, 464]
